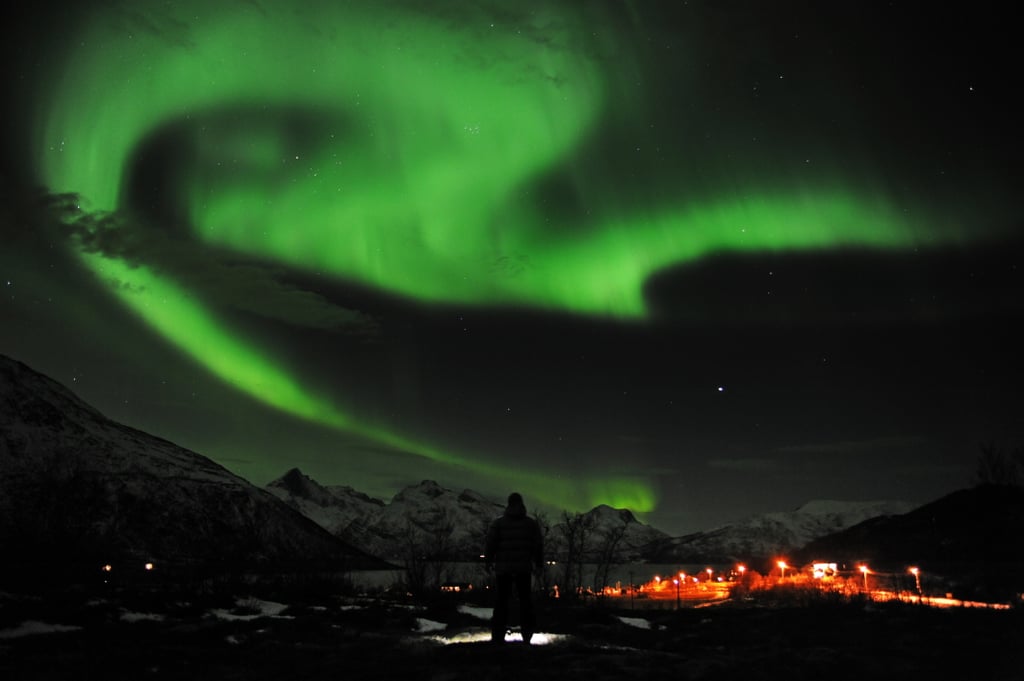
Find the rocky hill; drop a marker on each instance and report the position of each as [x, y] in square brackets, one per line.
[981, 524]
[454, 523]
[334, 508]
[606, 529]
[761, 537]
[974, 534]
[78, 490]
[424, 517]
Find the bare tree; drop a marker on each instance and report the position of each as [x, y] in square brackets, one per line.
[607, 552]
[998, 467]
[575, 530]
[427, 551]
[541, 577]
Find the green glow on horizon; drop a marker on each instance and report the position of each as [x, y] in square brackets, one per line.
[176, 315]
[440, 125]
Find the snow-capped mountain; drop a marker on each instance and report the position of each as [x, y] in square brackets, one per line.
[333, 508]
[429, 517]
[771, 534]
[77, 488]
[605, 529]
[422, 518]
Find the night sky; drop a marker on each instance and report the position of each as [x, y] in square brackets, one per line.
[698, 259]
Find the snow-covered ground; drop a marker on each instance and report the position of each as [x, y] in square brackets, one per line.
[351, 637]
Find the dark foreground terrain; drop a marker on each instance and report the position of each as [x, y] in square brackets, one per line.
[145, 636]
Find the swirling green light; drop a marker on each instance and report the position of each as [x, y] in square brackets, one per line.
[439, 124]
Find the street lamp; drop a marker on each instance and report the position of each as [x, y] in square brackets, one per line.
[917, 580]
[864, 569]
[782, 567]
[677, 592]
[709, 571]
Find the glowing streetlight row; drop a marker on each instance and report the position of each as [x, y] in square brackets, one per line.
[110, 568]
[863, 568]
[741, 569]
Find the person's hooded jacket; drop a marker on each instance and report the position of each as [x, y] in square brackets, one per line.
[514, 542]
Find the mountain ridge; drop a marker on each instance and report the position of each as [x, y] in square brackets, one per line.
[762, 536]
[387, 528]
[79, 490]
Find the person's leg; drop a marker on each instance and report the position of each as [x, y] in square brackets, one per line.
[527, 618]
[503, 593]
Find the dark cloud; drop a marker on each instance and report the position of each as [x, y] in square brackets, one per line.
[750, 465]
[154, 20]
[250, 288]
[854, 446]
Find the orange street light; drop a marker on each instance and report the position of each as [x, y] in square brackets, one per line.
[676, 582]
[782, 567]
[864, 569]
[917, 579]
[708, 570]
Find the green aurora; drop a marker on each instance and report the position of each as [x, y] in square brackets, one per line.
[431, 130]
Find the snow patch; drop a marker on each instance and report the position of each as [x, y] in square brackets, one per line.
[424, 625]
[141, 617]
[33, 627]
[484, 635]
[477, 612]
[263, 609]
[638, 622]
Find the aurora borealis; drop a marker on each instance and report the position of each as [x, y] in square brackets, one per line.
[625, 253]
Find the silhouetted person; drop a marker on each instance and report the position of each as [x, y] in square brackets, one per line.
[514, 547]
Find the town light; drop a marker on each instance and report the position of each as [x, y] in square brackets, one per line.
[676, 582]
[148, 566]
[824, 570]
[864, 569]
[107, 568]
[708, 570]
[782, 567]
